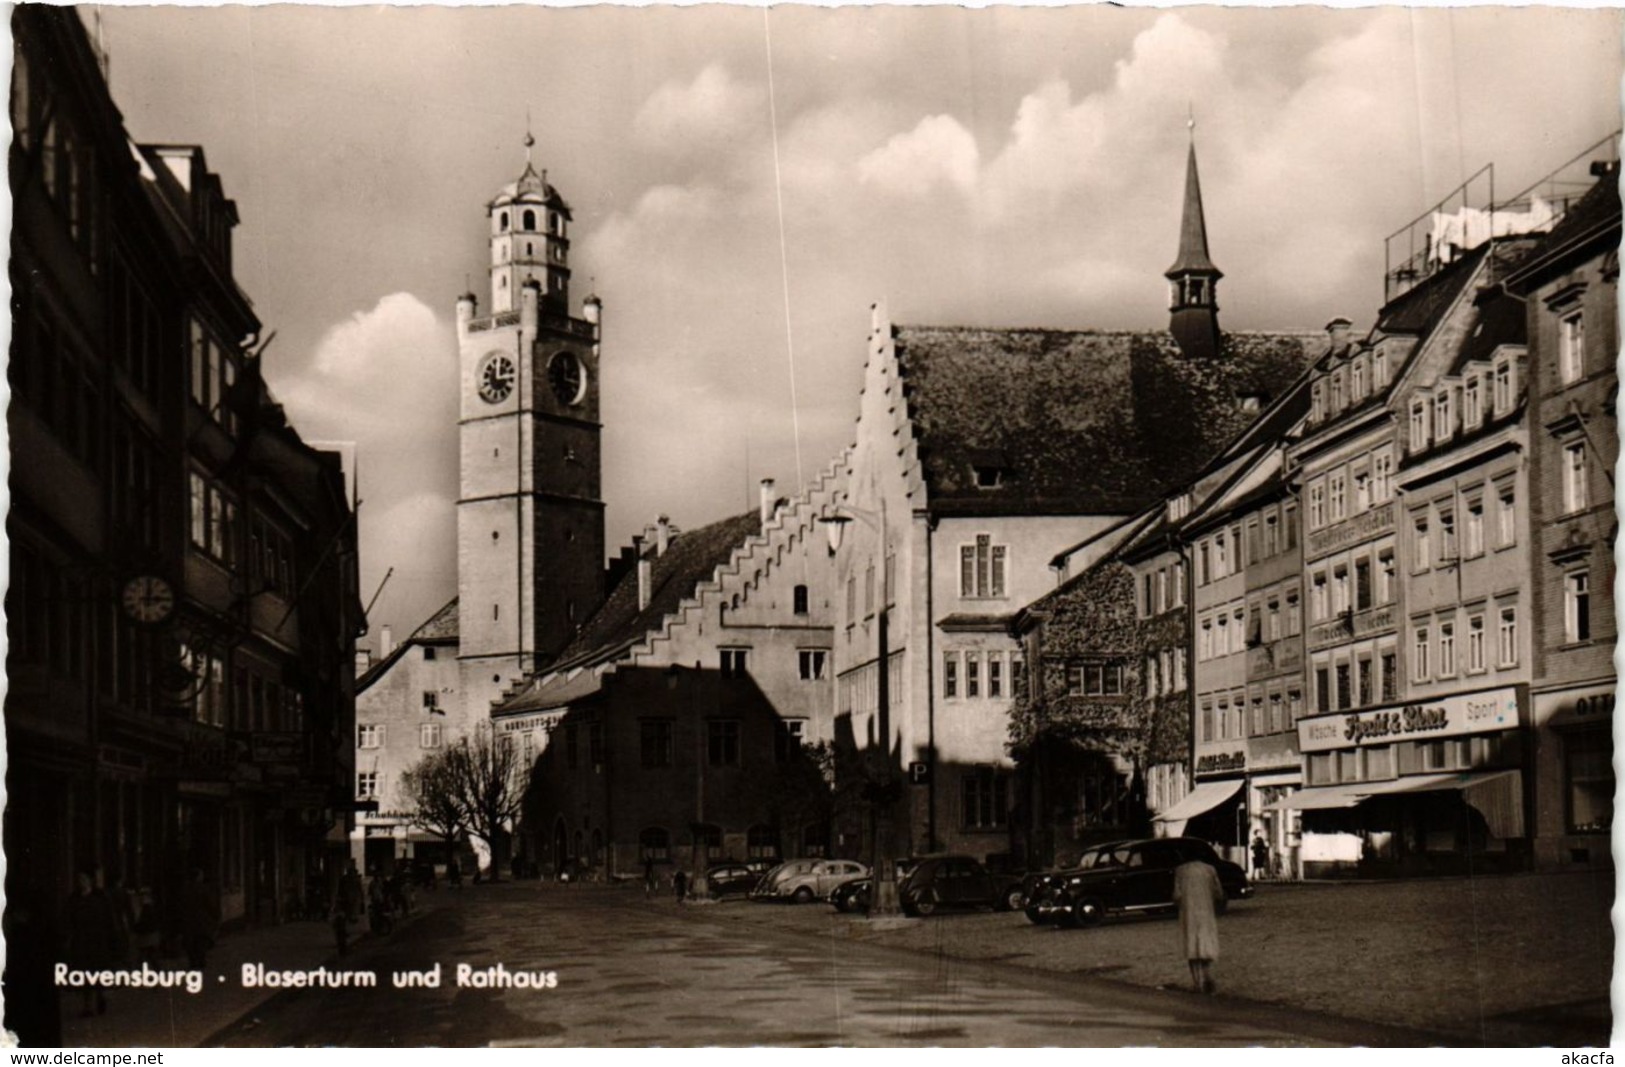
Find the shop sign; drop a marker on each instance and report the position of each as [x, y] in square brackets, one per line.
[1378, 520]
[1451, 716]
[277, 747]
[1219, 762]
[1275, 751]
[1350, 627]
[1575, 707]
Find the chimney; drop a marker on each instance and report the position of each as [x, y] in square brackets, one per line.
[386, 642]
[662, 535]
[1338, 332]
[363, 661]
[644, 575]
[769, 500]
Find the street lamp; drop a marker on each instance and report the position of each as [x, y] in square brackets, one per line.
[881, 782]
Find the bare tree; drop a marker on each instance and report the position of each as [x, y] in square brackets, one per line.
[431, 787]
[489, 787]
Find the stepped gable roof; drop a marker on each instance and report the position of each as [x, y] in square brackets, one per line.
[692, 557]
[1078, 422]
[441, 628]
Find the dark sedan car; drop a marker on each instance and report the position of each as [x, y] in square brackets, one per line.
[851, 896]
[1136, 876]
[1041, 892]
[730, 880]
[956, 882]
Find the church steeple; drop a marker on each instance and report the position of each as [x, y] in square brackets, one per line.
[529, 241]
[1193, 278]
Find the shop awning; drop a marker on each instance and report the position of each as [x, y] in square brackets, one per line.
[1498, 795]
[1205, 797]
[1325, 796]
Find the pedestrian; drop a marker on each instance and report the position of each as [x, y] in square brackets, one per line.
[92, 938]
[649, 880]
[454, 873]
[200, 920]
[1261, 855]
[679, 882]
[1198, 893]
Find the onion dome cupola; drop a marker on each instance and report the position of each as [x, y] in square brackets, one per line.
[530, 241]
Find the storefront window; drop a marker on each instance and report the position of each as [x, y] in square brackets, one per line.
[1588, 757]
[1379, 762]
[1349, 765]
[1320, 768]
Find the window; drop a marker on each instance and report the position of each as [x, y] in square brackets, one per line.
[812, 663]
[982, 568]
[366, 785]
[950, 675]
[1221, 636]
[1475, 643]
[1340, 589]
[1018, 675]
[1571, 348]
[973, 675]
[1508, 638]
[1503, 387]
[1317, 403]
[1472, 403]
[1323, 689]
[654, 845]
[722, 742]
[430, 735]
[428, 652]
[1364, 680]
[1221, 556]
[787, 740]
[1574, 477]
[1472, 533]
[1577, 606]
[1357, 388]
[735, 662]
[1097, 679]
[1336, 496]
[1447, 649]
[995, 674]
[1419, 426]
[1443, 425]
[1390, 675]
[869, 589]
[1203, 571]
[1362, 491]
[369, 736]
[1207, 721]
[1345, 694]
[1317, 505]
[1336, 394]
[1447, 535]
[1507, 518]
[1379, 369]
[431, 701]
[800, 599]
[1272, 534]
[655, 742]
[1294, 616]
[1382, 475]
[1421, 552]
[851, 600]
[1385, 576]
[982, 796]
[1272, 621]
[1588, 767]
[1294, 705]
[1319, 603]
[1204, 642]
[1420, 646]
[1176, 584]
[1362, 584]
[1277, 721]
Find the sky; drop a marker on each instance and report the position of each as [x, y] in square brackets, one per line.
[746, 183]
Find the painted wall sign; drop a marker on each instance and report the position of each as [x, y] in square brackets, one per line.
[1451, 716]
[1215, 762]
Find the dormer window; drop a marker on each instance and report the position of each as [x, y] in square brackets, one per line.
[1336, 401]
[1419, 425]
[1442, 424]
[1179, 507]
[1357, 390]
[1472, 403]
[1379, 369]
[989, 477]
[1317, 403]
[1503, 385]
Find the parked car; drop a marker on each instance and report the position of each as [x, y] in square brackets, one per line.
[730, 879]
[804, 881]
[1042, 892]
[1136, 876]
[956, 882]
[852, 895]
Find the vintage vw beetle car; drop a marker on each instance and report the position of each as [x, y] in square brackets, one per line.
[804, 881]
[1137, 876]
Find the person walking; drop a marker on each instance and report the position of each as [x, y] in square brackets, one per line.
[1261, 856]
[649, 880]
[679, 882]
[200, 920]
[1198, 893]
[92, 938]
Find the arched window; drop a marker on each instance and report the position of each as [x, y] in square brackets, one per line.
[762, 843]
[654, 844]
[530, 220]
[503, 218]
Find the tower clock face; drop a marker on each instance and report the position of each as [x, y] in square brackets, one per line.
[496, 378]
[567, 377]
[148, 599]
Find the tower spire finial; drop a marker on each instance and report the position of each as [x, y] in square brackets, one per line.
[529, 140]
[1190, 119]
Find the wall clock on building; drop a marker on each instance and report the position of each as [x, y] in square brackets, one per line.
[567, 377]
[148, 599]
[496, 378]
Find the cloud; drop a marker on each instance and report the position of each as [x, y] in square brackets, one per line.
[713, 109]
[937, 151]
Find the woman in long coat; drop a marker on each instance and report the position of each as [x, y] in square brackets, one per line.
[1198, 893]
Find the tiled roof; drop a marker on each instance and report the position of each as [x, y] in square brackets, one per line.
[1079, 422]
[442, 625]
[1499, 319]
[1417, 310]
[692, 557]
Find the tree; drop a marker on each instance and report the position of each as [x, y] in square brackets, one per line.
[488, 786]
[430, 786]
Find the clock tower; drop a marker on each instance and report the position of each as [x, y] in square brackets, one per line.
[530, 514]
